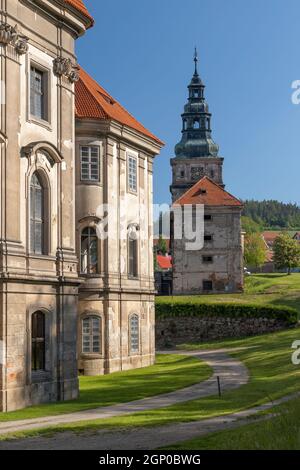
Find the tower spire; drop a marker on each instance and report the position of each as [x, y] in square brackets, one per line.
[196, 61]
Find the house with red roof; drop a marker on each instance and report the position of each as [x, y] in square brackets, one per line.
[216, 266]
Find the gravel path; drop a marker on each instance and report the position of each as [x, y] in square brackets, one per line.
[142, 438]
[232, 375]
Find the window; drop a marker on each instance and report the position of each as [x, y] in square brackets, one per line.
[207, 259]
[89, 251]
[208, 238]
[132, 174]
[134, 334]
[90, 163]
[132, 255]
[91, 335]
[207, 217]
[207, 285]
[37, 214]
[38, 93]
[38, 341]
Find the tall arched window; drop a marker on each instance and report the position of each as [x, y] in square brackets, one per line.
[91, 335]
[134, 334]
[133, 252]
[89, 251]
[38, 341]
[37, 216]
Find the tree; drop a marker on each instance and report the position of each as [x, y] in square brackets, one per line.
[250, 226]
[162, 245]
[255, 252]
[286, 252]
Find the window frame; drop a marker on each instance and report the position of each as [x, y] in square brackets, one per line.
[90, 318]
[44, 216]
[134, 274]
[35, 340]
[132, 317]
[133, 157]
[88, 272]
[211, 284]
[89, 163]
[46, 71]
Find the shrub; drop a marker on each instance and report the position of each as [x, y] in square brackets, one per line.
[169, 309]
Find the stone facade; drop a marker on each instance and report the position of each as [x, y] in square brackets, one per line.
[112, 293]
[37, 146]
[170, 332]
[197, 179]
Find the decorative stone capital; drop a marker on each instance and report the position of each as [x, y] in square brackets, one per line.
[63, 66]
[10, 35]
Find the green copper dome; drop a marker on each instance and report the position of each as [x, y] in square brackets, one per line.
[196, 138]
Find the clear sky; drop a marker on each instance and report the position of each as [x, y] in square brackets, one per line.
[141, 51]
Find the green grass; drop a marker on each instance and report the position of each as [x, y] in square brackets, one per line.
[171, 372]
[272, 375]
[260, 289]
[279, 433]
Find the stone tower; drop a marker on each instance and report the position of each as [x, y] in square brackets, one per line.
[196, 153]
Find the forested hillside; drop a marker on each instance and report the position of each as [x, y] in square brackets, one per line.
[273, 214]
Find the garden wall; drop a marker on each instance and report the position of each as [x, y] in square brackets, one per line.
[185, 323]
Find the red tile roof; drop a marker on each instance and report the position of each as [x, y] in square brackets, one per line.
[164, 262]
[80, 6]
[270, 236]
[206, 192]
[93, 102]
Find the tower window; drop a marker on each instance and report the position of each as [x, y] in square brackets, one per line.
[207, 217]
[197, 124]
[208, 238]
[132, 257]
[207, 259]
[207, 285]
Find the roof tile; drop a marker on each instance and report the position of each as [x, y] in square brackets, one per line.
[206, 192]
[93, 102]
[80, 6]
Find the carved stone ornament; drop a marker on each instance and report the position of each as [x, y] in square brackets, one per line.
[10, 35]
[63, 66]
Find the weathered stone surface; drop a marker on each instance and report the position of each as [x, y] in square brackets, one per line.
[174, 331]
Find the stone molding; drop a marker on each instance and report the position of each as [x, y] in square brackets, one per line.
[10, 35]
[64, 67]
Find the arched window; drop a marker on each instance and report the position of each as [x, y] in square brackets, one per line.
[89, 251]
[196, 124]
[134, 334]
[38, 341]
[133, 252]
[91, 335]
[37, 216]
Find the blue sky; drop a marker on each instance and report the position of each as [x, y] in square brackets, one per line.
[141, 51]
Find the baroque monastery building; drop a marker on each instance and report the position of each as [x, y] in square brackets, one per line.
[69, 298]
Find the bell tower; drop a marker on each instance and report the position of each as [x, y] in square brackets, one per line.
[196, 155]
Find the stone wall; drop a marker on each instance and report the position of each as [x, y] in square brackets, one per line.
[174, 331]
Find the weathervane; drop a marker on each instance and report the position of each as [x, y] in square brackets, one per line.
[196, 60]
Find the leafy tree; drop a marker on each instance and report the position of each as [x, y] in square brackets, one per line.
[255, 253]
[162, 245]
[286, 252]
[250, 226]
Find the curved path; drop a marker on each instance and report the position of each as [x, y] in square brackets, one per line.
[232, 374]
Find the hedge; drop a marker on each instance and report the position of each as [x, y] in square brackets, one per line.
[222, 309]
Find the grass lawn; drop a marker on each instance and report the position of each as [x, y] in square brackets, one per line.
[272, 375]
[279, 433]
[274, 289]
[171, 372]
